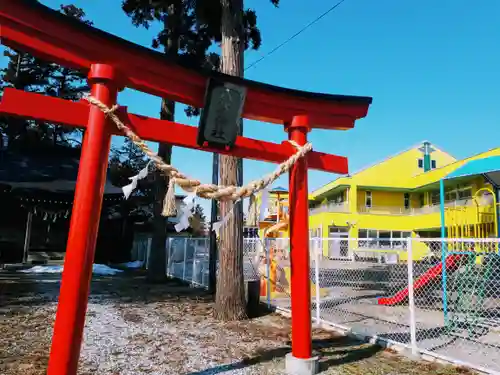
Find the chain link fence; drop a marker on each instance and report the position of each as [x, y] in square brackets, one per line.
[352, 284]
[434, 296]
[393, 289]
[457, 307]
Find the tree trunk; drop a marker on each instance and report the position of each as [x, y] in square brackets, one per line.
[230, 293]
[157, 261]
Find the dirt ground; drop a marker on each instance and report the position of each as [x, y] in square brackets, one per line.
[136, 328]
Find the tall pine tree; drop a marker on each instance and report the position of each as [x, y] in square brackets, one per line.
[182, 39]
[28, 73]
[126, 161]
[189, 29]
[238, 31]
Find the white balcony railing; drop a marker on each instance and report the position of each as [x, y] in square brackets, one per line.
[390, 210]
[425, 210]
[330, 207]
[384, 210]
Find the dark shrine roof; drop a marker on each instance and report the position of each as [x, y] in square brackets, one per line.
[49, 171]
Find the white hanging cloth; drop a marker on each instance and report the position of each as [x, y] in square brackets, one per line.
[128, 189]
[187, 212]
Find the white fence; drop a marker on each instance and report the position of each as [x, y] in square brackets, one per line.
[395, 290]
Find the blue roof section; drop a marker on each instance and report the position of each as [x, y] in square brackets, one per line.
[278, 189]
[476, 167]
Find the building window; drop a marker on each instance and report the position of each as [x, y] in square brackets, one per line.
[458, 193]
[407, 201]
[433, 164]
[338, 230]
[370, 236]
[315, 233]
[405, 235]
[465, 192]
[435, 199]
[420, 163]
[250, 232]
[450, 195]
[368, 199]
[382, 239]
[337, 198]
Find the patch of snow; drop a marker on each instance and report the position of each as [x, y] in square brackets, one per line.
[98, 269]
[102, 269]
[43, 269]
[133, 265]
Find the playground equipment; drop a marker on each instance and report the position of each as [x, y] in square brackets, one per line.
[276, 276]
[452, 264]
[477, 259]
[470, 289]
[476, 221]
[275, 220]
[274, 263]
[113, 64]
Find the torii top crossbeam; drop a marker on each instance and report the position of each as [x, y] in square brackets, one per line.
[32, 27]
[113, 63]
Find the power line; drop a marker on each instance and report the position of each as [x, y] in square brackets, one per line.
[295, 35]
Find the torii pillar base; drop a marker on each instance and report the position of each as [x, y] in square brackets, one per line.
[301, 366]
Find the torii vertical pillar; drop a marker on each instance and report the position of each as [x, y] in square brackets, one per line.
[80, 249]
[300, 360]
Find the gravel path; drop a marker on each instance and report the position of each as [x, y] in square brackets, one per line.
[134, 328]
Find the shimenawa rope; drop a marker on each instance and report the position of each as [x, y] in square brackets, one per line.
[207, 191]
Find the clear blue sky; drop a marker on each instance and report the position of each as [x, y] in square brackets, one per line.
[432, 68]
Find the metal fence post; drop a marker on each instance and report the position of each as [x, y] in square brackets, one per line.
[148, 251]
[206, 265]
[268, 271]
[411, 300]
[184, 260]
[194, 278]
[169, 258]
[316, 276]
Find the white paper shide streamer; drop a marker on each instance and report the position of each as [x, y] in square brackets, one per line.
[216, 227]
[264, 200]
[187, 212]
[218, 224]
[128, 189]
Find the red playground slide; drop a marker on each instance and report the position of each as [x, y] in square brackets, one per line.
[452, 264]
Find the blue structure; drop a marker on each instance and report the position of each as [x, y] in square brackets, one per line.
[489, 168]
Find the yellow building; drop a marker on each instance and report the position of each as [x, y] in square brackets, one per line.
[396, 198]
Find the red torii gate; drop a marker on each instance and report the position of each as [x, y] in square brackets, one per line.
[112, 64]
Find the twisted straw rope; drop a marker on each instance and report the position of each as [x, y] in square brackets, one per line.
[207, 191]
